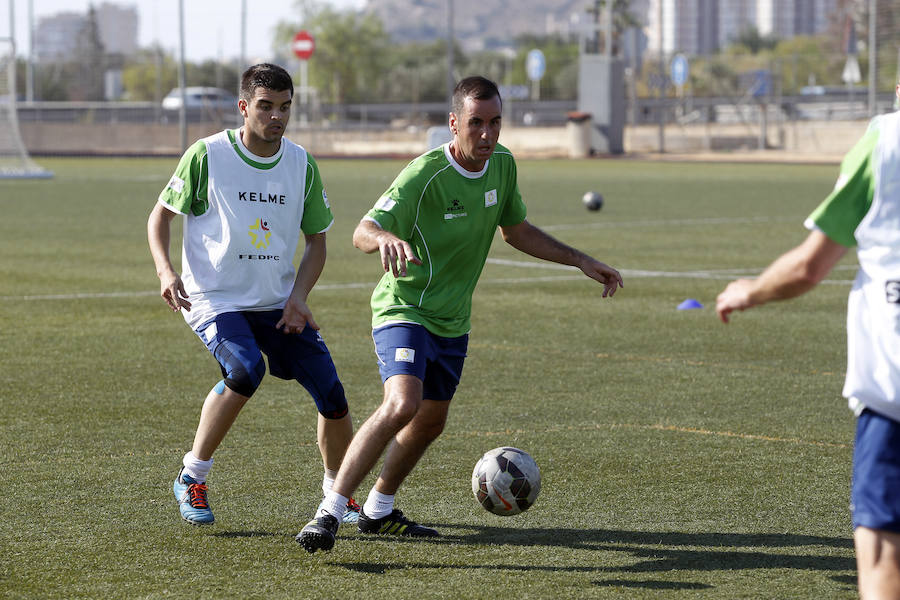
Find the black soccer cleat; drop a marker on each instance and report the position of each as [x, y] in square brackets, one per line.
[394, 524]
[318, 534]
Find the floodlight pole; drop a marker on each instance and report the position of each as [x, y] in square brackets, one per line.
[243, 64]
[609, 28]
[662, 80]
[182, 111]
[451, 83]
[29, 73]
[873, 54]
[12, 31]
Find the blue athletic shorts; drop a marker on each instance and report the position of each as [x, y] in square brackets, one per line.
[875, 492]
[236, 340]
[410, 349]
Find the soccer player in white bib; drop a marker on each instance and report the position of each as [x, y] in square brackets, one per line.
[433, 229]
[246, 195]
[862, 211]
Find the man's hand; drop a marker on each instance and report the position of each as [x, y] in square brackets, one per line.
[735, 296]
[171, 288]
[609, 277]
[395, 254]
[295, 317]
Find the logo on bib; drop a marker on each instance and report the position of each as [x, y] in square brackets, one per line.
[260, 234]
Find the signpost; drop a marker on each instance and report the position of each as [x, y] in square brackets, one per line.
[679, 70]
[303, 45]
[535, 67]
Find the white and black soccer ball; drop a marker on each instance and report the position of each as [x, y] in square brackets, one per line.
[592, 200]
[506, 481]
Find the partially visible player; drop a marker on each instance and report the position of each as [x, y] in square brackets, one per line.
[246, 195]
[862, 211]
[433, 229]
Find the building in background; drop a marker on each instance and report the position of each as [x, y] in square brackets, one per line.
[118, 24]
[56, 36]
[705, 26]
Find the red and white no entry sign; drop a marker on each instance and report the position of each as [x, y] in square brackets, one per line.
[303, 45]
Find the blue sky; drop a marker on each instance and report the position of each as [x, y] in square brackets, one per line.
[218, 36]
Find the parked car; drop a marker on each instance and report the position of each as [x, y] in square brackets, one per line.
[203, 103]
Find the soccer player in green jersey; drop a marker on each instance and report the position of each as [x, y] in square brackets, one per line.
[433, 229]
[246, 196]
[862, 211]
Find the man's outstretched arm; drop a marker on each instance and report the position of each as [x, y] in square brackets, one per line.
[532, 240]
[793, 273]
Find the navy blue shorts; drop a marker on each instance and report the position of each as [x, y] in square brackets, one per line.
[410, 349]
[875, 492]
[236, 340]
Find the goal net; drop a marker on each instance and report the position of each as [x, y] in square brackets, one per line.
[14, 159]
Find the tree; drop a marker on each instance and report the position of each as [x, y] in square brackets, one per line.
[751, 39]
[351, 51]
[150, 76]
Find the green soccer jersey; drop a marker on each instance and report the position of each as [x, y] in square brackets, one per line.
[864, 211]
[843, 210]
[449, 216]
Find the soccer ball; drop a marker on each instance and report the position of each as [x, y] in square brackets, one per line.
[592, 200]
[506, 481]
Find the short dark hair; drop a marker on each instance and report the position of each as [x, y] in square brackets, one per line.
[267, 76]
[476, 87]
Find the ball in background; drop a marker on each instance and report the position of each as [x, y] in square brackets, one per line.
[592, 200]
[506, 481]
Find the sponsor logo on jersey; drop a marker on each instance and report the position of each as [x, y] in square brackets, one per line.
[455, 210]
[325, 199]
[259, 234]
[405, 355]
[176, 184]
[490, 198]
[259, 257]
[892, 291]
[261, 197]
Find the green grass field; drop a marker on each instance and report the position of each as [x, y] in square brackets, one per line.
[681, 458]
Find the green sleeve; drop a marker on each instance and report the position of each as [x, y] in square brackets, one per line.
[842, 211]
[514, 211]
[395, 211]
[186, 191]
[317, 216]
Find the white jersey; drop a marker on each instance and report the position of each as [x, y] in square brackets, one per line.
[244, 215]
[866, 206]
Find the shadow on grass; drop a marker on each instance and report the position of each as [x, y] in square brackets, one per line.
[245, 534]
[657, 552]
[652, 585]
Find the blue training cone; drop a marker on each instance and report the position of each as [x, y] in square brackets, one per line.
[689, 304]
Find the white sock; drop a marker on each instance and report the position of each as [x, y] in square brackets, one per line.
[334, 504]
[328, 481]
[378, 505]
[197, 469]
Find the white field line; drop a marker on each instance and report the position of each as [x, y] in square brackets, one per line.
[718, 274]
[723, 274]
[672, 222]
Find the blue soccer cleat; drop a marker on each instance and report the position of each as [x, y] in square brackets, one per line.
[191, 498]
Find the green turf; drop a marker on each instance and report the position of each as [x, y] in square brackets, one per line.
[680, 457]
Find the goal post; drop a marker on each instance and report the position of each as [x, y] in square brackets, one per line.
[14, 159]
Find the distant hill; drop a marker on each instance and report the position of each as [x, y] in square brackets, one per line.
[477, 24]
